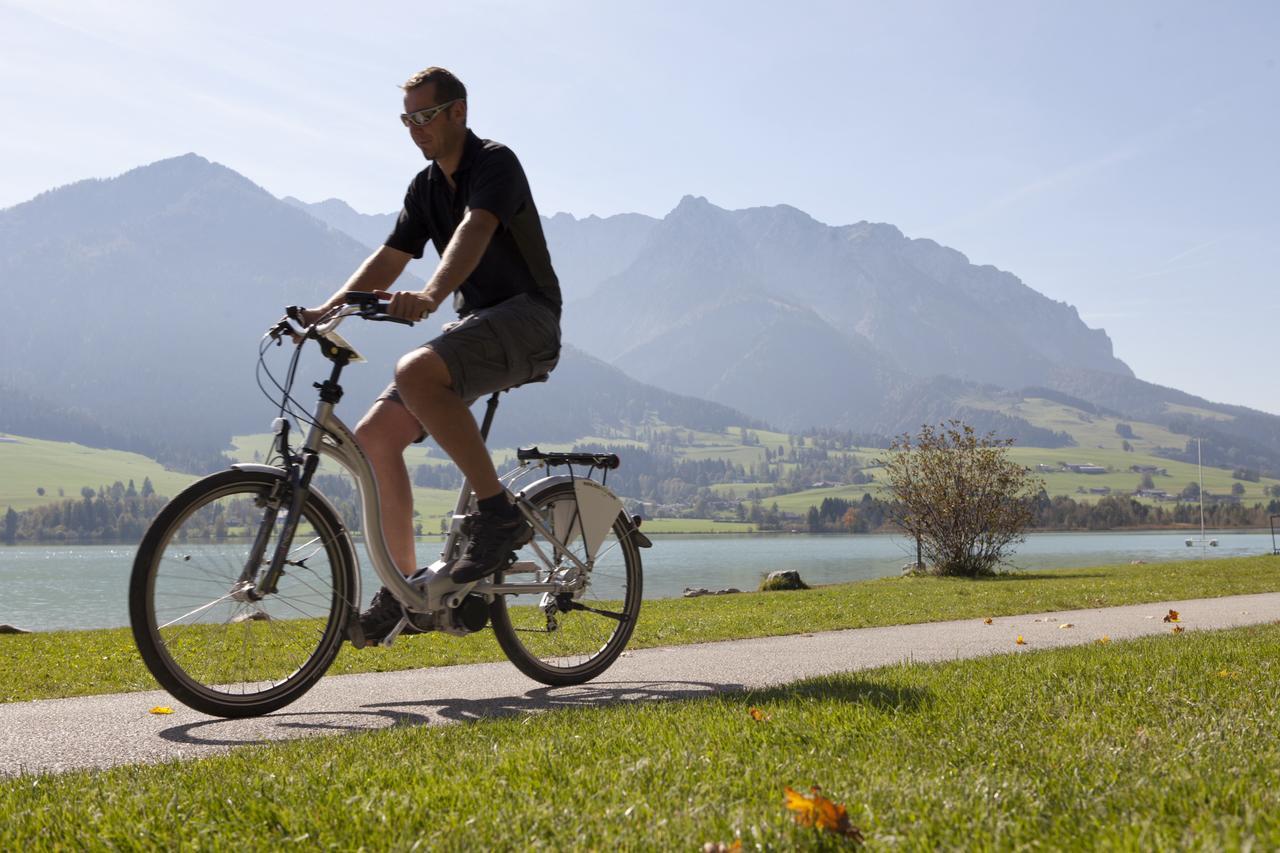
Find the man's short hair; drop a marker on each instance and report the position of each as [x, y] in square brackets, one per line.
[448, 87]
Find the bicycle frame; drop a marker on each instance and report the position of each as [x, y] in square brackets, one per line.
[432, 589]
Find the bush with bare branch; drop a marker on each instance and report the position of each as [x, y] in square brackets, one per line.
[961, 496]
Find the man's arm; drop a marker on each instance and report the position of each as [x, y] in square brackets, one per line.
[379, 271]
[460, 259]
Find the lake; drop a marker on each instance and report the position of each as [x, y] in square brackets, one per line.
[85, 586]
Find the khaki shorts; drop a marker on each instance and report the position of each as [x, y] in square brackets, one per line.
[496, 348]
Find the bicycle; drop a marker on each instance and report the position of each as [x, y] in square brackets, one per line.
[247, 582]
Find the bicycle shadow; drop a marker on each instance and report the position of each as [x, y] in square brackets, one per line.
[597, 694]
[296, 723]
[219, 732]
[436, 711]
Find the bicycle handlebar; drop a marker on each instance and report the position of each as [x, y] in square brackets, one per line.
[367, 306]
[370, 307]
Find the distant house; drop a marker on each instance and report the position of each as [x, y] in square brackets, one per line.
[1047, 469]
[1154, 494]
[1149, 469]
[1084, 468]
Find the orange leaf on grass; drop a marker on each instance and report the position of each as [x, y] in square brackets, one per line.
[758, 715]
[721, 847]
[1178, 629]
[817, 811]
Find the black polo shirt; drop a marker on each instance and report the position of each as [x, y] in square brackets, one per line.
[489, 177]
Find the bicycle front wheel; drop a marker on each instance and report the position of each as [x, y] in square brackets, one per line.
[571, 637]
[203, 639]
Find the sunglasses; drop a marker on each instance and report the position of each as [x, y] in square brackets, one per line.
[424, 117]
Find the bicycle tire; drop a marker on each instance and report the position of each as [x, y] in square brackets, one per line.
[230, 658]
[550, 653]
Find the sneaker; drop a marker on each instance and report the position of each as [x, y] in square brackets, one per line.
[384, 613]
[493, 539]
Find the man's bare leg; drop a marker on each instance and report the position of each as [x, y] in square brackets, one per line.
[425, 386]
[384, 433]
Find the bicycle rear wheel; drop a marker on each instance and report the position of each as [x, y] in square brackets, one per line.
[572, 637]
[204, 642]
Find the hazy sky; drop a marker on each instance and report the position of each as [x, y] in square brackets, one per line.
[1120, 157]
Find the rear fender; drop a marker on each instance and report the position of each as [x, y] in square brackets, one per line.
[597, 510]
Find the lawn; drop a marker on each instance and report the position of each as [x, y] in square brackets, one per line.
[1161, 743]
[76, 663]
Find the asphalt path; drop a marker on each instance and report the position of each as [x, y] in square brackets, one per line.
[58, 735]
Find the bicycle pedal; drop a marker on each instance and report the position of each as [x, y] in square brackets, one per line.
[386, 641]
[355, 634]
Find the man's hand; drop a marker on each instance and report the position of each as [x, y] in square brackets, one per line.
[408, 304]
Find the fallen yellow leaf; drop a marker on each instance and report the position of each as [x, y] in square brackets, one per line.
[758, 715]
[1226, 673]
[1178, 629]
[1104, 639]
[1020, 641]
[819, 812]
[161, 709]
[1172, 616]
[986, 621]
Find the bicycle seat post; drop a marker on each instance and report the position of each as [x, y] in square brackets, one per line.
[489, 409]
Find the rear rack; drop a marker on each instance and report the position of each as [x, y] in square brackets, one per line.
[604, 461]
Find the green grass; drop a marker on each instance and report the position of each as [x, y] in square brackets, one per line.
[54, 664]
[31, 463]
[1159, 743]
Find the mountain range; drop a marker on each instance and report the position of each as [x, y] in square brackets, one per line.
[150, 291]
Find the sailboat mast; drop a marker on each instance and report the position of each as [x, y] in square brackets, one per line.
[1200, 466]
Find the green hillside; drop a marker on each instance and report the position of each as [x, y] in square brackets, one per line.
[62, 469]
[791, 471]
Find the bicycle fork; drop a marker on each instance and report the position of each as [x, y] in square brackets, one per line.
[298, 488]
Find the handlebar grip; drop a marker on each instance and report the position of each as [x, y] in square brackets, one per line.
[372, 307]
[363, 298]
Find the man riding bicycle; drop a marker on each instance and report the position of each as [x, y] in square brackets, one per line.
[473, 203]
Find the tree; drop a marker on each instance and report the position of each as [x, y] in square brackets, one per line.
[815, 520]
[1237, 489]
[147, 489]
[961, 495]
[1125, 431]
[10, 527]
[1147, 482]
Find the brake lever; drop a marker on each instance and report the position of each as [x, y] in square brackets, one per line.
[280, 329]
[387, 318]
